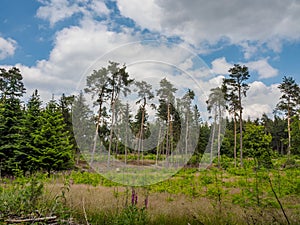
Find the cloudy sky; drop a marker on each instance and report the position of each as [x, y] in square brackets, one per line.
[56, 43]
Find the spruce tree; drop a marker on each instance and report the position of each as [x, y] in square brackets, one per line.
[53, 150]
[83, 125]
[12, 89]
[32, 124]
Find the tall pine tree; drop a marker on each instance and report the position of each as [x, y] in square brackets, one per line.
[289, 102]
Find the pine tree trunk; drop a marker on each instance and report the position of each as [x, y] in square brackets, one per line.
[241, 127]
[141, 134]
[219, 136]
[111, 133]
[241, 139]
[168, 131]
[235, 140]
[126, 143]
[96, 134]
[186, 134]
[158, 146]
[212, 140]
[289, 132]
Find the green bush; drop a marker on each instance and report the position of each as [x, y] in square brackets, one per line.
[25, 198]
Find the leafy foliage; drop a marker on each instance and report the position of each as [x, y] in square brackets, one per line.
[257, 144]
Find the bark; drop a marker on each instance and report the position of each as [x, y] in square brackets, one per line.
[96, 133]
[111, 133]
[168, 131]
[289, 131]
[158, 146]
[235, 140]
[241, 127]
[186, 134]
[219, 135]
[212, 140]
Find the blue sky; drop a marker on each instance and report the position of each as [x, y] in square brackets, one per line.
[53, 42]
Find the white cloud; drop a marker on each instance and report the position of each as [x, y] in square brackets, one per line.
[145, 13]
[77, 48]
[263, 68]
[250, 49]
[58, 10]
[220, 66]
[196, 21]
[260, 99]
[99, 7]
[7, 47]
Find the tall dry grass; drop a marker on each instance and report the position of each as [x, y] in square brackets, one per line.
[164, 208]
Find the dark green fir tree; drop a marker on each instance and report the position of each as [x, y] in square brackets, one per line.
[11, 90]
[52, 147]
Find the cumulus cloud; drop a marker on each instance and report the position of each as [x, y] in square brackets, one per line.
[263, 68]
[260, 99]
[221, 66]
[7, 47]
[200, 20]
[58, 10]
[77, 50]
[146, 13]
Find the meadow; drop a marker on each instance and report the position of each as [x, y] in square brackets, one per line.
[225, 195]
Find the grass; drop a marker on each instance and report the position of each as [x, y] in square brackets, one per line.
[102, 203]
[191, 197]
[214, 196]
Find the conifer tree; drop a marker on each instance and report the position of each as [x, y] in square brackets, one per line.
[289, 102]
[166, 109]
[32, 123]
[216, 105]
[53, 150]
[12, 89]
[83, 125]
[144, 94]
[235, 90]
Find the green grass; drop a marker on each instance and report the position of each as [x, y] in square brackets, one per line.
[213, 196]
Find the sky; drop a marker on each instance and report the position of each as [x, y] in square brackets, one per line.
[57, 43]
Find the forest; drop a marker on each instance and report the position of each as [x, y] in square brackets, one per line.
[125, 152]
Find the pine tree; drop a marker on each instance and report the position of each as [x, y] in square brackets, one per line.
[107, 84]
[166, 110]
[289, 102]
[186, 111]
[216, 105]
[236, 89]
[119, 83]
[144, 93]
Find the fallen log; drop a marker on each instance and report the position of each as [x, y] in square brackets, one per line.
[31, 219]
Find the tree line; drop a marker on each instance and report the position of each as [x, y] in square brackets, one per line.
[36, 136]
